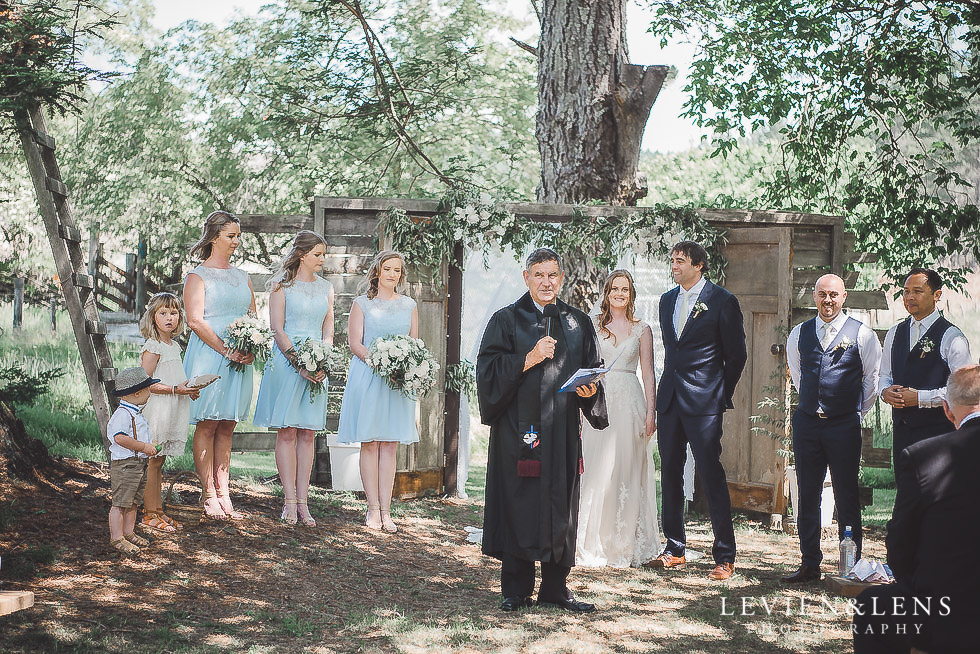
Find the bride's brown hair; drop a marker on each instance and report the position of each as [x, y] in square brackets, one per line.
[605, 315]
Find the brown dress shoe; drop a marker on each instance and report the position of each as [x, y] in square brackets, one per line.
[722, 571]
[803, 575]
[666, 560]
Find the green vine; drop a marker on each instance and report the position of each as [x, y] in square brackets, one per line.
[473, 217]
[773, 407]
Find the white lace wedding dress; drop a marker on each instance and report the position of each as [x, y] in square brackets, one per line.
[618, 524]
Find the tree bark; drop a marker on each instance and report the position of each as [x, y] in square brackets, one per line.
[24, 457]
[593, 105]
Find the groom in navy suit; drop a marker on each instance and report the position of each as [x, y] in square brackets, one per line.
[704, 343]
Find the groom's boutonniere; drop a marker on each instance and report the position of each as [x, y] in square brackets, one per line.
[844, 344]
[699, 308]
[926, 345]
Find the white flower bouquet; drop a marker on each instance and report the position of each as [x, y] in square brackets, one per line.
[248, 335]
[404, 363]
[313, 356]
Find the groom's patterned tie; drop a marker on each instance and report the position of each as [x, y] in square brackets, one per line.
[685, 313]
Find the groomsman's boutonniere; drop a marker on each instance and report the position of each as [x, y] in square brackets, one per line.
[926, 345]
[844, 344]
[699, 308]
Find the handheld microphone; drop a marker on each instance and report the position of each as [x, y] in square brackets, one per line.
[550, 311]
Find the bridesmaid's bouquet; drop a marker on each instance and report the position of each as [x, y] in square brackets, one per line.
[248, 335]
[313, 356]
[404, 363]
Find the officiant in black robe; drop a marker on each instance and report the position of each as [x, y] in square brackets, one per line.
[535, 458]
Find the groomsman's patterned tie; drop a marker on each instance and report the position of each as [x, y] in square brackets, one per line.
[828, 335]
[685, 313]
[916, 326]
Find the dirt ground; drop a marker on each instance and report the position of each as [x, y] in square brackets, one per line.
[261, 586]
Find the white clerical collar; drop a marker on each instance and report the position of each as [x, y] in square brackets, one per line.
[541, 306]
[972, 416]
[695, 290]
[837, 323]
[926, 322]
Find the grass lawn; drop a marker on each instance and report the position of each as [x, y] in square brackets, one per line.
[261, 586]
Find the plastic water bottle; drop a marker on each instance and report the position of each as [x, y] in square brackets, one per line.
[848, 553]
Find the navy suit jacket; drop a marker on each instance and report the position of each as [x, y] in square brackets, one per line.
[702, 365]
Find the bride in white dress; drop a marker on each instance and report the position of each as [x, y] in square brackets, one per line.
[618, 524]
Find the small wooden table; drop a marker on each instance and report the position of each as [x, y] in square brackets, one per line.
[15, 600]
[846, 587]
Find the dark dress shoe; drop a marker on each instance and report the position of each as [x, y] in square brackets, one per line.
[569, 604]
[804, 575]
[515, 603]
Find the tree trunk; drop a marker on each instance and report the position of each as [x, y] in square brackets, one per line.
[592, 108]
[21, 456]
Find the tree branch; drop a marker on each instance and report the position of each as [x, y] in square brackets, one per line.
[524, 46]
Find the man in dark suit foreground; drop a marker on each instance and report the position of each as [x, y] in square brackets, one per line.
[704, 354]
[933, 540]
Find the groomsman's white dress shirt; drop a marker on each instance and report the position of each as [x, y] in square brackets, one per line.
[868, 349]
[954, 349]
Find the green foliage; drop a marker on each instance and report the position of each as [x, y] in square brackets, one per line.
[653, 231]
[484, 225]
[40, 55]
[461, 378]
[873, 103]
[22, 387]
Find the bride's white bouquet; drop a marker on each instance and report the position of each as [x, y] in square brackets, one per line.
[404, 364]
[313, 356]
[248, 335]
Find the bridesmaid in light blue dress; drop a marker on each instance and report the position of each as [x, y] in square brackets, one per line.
[300, 307]
[215, 294]
[373, 414]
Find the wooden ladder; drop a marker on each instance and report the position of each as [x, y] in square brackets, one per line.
[76, 284]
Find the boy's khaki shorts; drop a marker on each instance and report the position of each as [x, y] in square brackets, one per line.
[128, 479]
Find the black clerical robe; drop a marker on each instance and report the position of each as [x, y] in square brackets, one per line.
[535, 518]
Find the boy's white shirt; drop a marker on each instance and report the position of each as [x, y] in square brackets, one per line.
[121, 422]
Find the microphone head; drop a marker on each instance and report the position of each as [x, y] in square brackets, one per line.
[550, 311]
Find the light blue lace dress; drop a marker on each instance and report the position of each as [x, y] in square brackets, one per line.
[227, 296]
[284, 396]
[372, 411]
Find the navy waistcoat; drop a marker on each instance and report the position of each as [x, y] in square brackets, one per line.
[831, 379]
[919, 369]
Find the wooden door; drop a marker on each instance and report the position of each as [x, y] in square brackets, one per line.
[759, 274]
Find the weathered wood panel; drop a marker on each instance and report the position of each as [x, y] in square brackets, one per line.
[803, 299]
[417, 483]
[759, 275]
[752, 497]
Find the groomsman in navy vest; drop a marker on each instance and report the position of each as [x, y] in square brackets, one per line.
[920, 353]
[833, 362]
[704, 344]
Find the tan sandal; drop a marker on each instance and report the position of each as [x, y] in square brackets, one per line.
[288, 517]
[367, 519]
[170, 521]
[305, 515]
[124, 547]
[139, 541]
[156, 521]
[224, 501]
